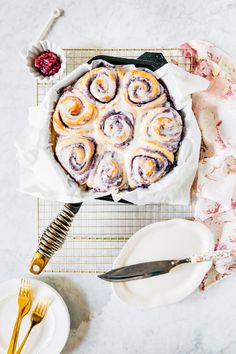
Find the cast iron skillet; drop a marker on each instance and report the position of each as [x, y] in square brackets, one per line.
[56, 233]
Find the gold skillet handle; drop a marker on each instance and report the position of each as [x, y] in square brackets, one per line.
[38, 263]
[53, 237]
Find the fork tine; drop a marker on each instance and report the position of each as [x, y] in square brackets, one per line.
[20, 291]
[41, 308]
[25, 288]
[30, 292]
[44, 303]
[28, 287]
[45, 308]
[37, 308]
[21, 286]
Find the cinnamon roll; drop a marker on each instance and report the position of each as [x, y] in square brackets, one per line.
[108, 173]
[77, 157]
[140, 87]
[73, 111]
[163, 125]
[115, 128]
[147, 167]
[100, 84]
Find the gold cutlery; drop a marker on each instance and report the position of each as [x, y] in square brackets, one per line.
[24, 304]
[36, 317]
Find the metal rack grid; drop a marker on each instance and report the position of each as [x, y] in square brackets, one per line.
[101, 228]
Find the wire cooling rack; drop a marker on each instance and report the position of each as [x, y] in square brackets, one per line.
[101, 228]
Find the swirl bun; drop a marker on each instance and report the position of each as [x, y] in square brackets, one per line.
[142, 87]
[73, 110]
[163, 125]
[147, 167]
[100, 84]
[108, 173]
[116, 128]
[77, 157]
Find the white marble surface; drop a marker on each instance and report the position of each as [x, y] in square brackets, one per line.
[203, 323]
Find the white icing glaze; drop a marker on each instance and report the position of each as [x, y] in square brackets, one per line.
[120, 99]
[43, 177]
[163, 125]
[108, 173]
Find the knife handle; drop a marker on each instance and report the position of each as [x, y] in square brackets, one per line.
[213, 256]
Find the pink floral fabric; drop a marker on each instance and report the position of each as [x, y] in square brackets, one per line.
[215, 111]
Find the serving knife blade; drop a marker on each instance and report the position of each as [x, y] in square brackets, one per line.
[152, 269]
[142, 270]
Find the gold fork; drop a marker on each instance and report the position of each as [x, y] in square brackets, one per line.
[24, 304]
[36, 317]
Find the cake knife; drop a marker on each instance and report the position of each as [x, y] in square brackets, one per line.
[154, 268]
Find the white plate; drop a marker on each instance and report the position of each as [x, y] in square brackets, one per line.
[173, 239]
[48, 337]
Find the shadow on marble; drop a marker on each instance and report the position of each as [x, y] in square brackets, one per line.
[77, 306]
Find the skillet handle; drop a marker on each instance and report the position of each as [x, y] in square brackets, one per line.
[157, 59]
[53, 237]
[150, 60]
